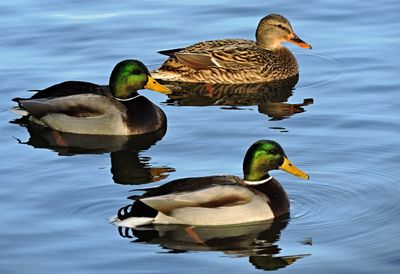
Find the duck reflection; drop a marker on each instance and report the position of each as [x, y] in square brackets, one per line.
[270, 97]
[257, 241]
[127, 166]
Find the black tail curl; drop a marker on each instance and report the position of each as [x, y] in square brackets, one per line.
[125, 212]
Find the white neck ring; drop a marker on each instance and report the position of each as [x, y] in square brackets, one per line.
[128, 99]
[252, 183]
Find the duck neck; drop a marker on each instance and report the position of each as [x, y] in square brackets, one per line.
[260, 182]
[256, 164]
[268, 44]
[265, 41]
[255, 170]
[128, 99]
[122, 92]
[251, 177]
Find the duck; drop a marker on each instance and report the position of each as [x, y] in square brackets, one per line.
[236, 61]
[219, 199]
[86, 108]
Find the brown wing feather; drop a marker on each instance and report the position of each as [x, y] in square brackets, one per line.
[195, 60]
[170, 52]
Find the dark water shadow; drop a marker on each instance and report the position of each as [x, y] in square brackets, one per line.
[258, 241]
[128, 169]
[127, 166]
[270, 97]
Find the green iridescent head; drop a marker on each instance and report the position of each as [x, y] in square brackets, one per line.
[129, 76]
[266, 155]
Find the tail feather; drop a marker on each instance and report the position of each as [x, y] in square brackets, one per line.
[36, 107]
[132, 221]
[170, 52]
[19, 111]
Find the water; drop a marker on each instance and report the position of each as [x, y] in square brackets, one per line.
[340, 124]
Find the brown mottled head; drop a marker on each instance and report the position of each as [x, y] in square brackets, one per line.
[274, 29]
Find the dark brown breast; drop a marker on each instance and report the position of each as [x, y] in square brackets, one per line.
[278, 199]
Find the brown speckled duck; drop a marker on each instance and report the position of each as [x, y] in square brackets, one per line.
[234, 61]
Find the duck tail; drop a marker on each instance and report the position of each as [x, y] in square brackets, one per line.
[133, 215]
[131, 222]
[126, 218]
[19, 111]
[170, 52]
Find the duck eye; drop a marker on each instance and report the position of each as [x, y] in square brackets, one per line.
[136, 71]
[273, 151]
[281, 27]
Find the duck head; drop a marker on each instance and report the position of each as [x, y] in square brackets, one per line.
[274, 29]
[266, 155]
[128, 76]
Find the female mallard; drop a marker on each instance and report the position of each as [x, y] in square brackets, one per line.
[233, 61]
[86, 108]
[218, 200]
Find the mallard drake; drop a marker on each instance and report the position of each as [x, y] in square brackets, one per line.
[218, 200]
[233, 61]
[87, 108]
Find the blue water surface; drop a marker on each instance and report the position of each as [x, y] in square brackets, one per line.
[340, 124]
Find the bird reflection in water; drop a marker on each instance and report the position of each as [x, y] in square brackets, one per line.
[257, 241]
[127, 166]
[270, 97]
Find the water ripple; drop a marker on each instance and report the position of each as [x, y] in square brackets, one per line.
[360, 201]
[324, 63]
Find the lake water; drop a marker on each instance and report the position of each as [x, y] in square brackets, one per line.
[340, 124]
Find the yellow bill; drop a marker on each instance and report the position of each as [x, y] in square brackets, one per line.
[156, 86]
[290, 168]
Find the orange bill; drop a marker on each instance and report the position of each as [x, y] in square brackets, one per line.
[293, 38]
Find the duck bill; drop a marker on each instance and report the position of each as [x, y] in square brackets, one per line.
[156, 86]
[297, 41]
[292, 169]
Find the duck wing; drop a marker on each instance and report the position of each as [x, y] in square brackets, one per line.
[229, 54]
[80, 105]
[191, 184]
[67, 88]
[197, 61]
[213, 205]
[205, 191]
[81, 114]
[210, 197]
[70, 88]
